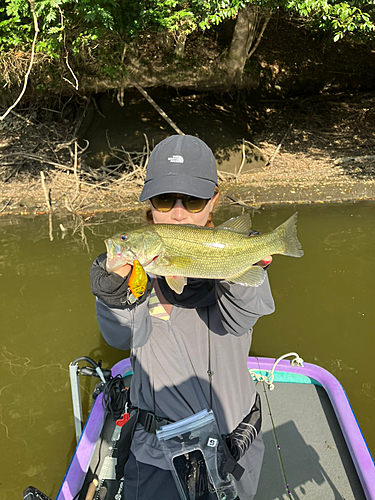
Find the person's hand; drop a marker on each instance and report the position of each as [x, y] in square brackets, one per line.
[265, 262]
[124, 271]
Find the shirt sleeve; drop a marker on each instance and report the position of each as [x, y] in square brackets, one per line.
[239, 307]
[122, 325]
[124, 328]
[111, 288]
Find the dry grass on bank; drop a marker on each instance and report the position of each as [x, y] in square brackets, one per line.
[323, 151]
[43, 167]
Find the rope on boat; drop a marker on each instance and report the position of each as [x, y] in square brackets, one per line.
[268, 379]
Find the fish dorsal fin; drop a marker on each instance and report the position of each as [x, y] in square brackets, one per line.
[254, 276]
[241, 224]
[177, 283]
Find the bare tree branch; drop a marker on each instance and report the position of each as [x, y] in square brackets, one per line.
[76, 85]
[158, 108]
[36, 29]
[255, 46]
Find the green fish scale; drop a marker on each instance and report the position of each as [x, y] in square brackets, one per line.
[209, 253]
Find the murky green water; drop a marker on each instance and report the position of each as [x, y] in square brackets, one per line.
[324, 311]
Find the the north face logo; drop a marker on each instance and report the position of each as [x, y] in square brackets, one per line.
[176, 159]
[212, 442]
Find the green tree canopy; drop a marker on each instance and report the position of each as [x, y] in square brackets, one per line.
[340, 18]
[103, 29]
[129, 18]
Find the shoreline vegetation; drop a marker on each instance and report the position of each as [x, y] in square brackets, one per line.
[318, 154]
[292, 122]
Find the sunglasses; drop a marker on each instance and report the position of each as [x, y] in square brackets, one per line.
[165, 202]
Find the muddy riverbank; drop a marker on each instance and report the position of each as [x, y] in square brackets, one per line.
[314, 151]
[277, 185]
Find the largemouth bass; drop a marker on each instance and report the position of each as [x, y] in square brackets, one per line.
[186, 251]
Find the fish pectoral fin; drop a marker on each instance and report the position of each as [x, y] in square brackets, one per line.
[254, 276]
[241, 224]
[177, 283]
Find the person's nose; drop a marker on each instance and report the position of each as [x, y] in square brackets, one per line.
[179, 212]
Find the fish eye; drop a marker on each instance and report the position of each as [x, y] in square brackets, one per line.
[123, 237]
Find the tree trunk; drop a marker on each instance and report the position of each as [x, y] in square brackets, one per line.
[180, 45]
[243, 38]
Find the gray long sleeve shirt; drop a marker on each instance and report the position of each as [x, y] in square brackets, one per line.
[171, 359]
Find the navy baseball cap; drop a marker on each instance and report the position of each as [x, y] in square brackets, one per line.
[180, 164]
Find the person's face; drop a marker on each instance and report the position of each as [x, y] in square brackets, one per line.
[179, 215]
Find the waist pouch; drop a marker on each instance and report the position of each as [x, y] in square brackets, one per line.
[235, 444]
[196, 453]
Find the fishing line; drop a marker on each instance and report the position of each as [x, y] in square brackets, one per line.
[278, 447]
[210, 373]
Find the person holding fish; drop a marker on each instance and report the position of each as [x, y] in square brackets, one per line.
[184, 296]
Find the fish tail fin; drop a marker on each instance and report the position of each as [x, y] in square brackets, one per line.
[288, 233]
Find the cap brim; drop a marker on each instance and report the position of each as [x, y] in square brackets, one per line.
[180, 184]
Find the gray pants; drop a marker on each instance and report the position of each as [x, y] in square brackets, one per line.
[146, 482]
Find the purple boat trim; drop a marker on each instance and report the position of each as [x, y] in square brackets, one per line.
[363, 462]
[357, 446]
[79, 464]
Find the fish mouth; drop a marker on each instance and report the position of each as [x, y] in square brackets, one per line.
[113, 249]
[114, 255]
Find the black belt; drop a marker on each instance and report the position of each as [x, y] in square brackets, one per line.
[150, 421]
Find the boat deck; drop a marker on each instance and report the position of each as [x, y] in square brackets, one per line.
[306, 448]
[313, 458]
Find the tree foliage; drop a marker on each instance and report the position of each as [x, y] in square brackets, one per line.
[103, 28]
[129, 18]
[340, 18]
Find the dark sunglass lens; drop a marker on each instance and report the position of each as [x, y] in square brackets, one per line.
[163, 202]
[193, 204]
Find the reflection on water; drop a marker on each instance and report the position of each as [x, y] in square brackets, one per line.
[324, 311]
